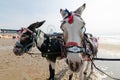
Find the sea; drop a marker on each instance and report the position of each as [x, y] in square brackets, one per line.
[112, 68]
[110, 39]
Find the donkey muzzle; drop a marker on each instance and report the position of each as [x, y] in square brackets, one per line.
[18, 49]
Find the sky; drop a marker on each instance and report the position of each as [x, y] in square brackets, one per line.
[101, 16]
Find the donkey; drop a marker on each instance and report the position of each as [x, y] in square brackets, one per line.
[51, 46]
[79, 47]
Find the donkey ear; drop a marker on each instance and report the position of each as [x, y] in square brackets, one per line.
[80, 9]
[38, 24]
[63, 13]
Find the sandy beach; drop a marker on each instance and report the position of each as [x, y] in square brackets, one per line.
[28, 67]
[20, 68]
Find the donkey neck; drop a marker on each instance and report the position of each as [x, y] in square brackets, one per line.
[39, 38]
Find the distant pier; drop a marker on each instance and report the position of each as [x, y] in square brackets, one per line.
[9, 33]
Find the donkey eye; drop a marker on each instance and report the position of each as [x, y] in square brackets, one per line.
[64, 14]
[23, 35]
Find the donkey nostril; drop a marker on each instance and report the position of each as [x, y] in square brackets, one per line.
[17, 51]
[74, 66]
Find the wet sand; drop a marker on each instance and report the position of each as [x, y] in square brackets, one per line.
[110, 47]
[30, 68]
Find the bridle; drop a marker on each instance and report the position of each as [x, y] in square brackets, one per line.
[33, 37]
[72, 47]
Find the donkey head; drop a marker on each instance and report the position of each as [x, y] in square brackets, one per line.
[72, 29]
[26, 39]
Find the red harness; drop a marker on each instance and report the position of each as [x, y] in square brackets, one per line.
[72, 44]
[21, 30]
[85, 58]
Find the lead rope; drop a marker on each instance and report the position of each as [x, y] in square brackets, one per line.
[103, 71]
[84, 42]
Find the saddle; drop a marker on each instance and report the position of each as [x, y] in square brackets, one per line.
[53, 44]
[90, 44]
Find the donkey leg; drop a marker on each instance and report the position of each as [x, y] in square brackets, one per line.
[86, 68]
[52, 70]
[91, 67]
[81, 75]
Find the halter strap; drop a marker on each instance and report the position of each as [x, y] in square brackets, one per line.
[28, 30]
[22, 30]
[35, 36]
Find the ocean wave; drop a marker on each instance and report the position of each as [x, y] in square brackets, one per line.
[112, 39]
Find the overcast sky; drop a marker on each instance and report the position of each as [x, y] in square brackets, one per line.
[101, 16]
